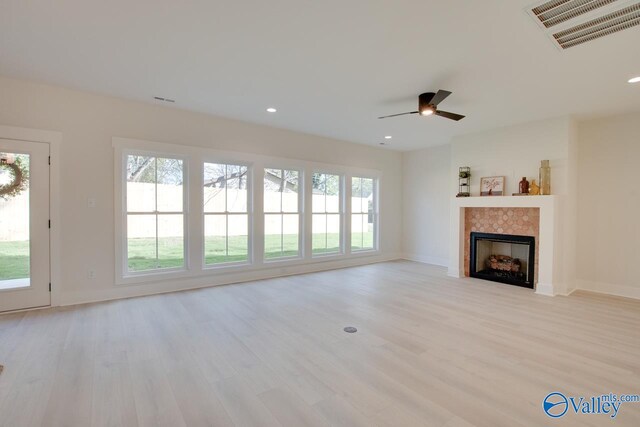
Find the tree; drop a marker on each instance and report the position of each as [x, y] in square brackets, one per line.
[326, 184]
[155, 169]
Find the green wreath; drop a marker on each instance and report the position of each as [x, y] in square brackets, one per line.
[20, 180]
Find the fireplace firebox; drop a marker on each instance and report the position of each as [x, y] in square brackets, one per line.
[503, 258]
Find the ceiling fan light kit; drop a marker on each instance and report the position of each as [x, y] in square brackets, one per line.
[428, 106]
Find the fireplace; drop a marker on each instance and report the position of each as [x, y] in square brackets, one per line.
[503, 258]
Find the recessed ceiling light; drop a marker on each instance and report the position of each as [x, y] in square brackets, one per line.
[635, 80]
[271, 110]
[388, 137]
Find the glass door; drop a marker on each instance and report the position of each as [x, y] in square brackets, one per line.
[24, 225]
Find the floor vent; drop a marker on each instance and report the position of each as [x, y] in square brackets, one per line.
[581, 21]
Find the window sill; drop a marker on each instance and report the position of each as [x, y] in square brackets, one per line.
[235, 268]
[223, 266]
[283, 260]
[150, 276]
[328, 256]
[365, 251]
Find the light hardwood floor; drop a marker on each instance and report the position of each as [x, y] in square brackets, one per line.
[430, 350]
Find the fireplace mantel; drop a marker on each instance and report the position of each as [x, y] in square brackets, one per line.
[548, 246]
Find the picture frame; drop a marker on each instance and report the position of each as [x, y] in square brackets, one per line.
[492, 186]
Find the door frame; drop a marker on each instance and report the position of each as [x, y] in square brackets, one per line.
[54, 139]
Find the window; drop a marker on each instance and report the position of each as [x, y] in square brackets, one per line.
[327, 214]
[281, 213]
[364, 216]
[226, 213]
[188, 212]
[155, 213]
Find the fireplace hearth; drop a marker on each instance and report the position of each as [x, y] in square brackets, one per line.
[503, 258]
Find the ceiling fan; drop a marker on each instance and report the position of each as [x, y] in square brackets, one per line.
[428, 105]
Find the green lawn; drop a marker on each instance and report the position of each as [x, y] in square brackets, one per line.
[14, 256]
[142, 251]
[14, 260]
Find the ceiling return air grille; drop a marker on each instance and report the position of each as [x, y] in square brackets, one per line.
[555, 12]
[570, 23]
[612, 23]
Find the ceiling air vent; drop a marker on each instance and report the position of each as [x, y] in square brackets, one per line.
[570, 23]
[159, 98]
[612, 23]
[555, 12]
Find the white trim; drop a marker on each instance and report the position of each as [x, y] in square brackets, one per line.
[426, 259]
[165, 286]
[376, 215]
[197, 272]
[344, 249]
[226, 214]
[124, 272]
[567, 294]
[544, 289]
[54, 139]
[604, 288]
[254, 160]
[300, 212]
[549, 258]
[15, 284]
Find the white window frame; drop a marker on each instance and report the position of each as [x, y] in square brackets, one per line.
[376, 216]
[341, 212]
[125, 214]
[195, 273]
[249, 213]
[300, 213]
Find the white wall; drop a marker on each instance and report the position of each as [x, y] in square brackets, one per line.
[514, 152]
[608, 255]
[427, 177]
[431, 181]
[88, 122]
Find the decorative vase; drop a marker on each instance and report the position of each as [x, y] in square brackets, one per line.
[545, 178]
[523, 187]
[534, 190]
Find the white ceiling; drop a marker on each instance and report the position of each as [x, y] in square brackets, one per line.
[330, 67]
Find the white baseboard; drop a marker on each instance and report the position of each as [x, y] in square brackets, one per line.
[609, 288]
[544, 289]
[451, 272]
[442, 262]
[160, 287]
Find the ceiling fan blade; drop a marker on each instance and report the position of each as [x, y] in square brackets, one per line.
[396, 115]
[452, 116]
[439, 97]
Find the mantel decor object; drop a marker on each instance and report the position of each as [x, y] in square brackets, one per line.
[534, 189]
[492, 186]
[545, 178]
[464, 182]
[523, 187]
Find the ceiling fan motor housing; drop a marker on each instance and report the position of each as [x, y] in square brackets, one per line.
[424, 101]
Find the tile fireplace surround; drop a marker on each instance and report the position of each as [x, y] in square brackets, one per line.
[513, 221]
[536, 216]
